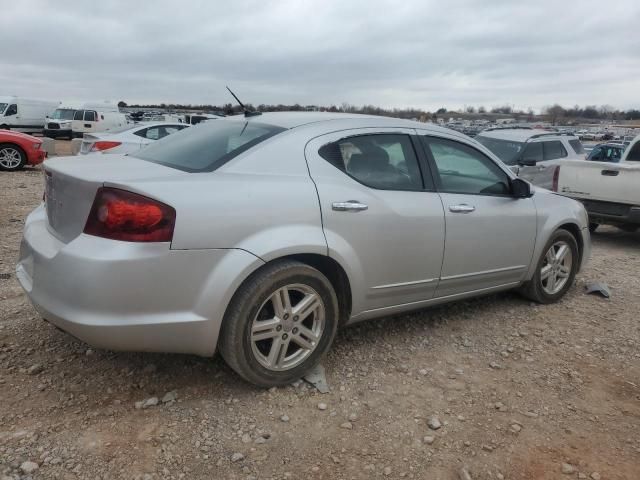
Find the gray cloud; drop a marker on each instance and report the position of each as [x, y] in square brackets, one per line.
[412, 53]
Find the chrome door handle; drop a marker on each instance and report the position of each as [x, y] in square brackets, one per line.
[463, 208]
[349, 206]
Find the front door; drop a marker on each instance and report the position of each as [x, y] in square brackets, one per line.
[490, 235]
[381, 220]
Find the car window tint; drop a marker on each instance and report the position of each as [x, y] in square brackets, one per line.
[576, 145]
[11, 110]
[79, 115]
[533, 151]
[141, 133]
[384, 161]
[463, 169]
[553, 149]
[89, 116]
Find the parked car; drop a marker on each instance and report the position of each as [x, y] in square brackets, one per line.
[606, 152]
[260, 236]
[24, 114]
[609, 191]
[59, 123]
[128, 139]
[19, 149]
[532, 154]
[97, 117]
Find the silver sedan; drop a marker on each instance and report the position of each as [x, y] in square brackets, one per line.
[261, 236]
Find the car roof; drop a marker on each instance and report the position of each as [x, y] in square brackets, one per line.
[290, 120]
[519, 134]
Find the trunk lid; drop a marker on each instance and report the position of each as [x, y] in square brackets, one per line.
[71, 184]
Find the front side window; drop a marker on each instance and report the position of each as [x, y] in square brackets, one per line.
[89, 116]
[595, 154]
[463, 169]
[553, 150]
[11, 110]
[382, 161]
[506, 150]
[577, 146]
[3, 106]
[208, 146]
[79, 115]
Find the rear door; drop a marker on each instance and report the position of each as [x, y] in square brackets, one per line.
[490, 235]
[380, 217]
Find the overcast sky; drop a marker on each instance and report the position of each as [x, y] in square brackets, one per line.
[424, 54]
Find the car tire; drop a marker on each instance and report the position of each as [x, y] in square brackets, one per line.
[593, 227]
[553, 278]
[266, 342]
[12, 157]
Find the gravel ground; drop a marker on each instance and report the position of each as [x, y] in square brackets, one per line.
[491, 388]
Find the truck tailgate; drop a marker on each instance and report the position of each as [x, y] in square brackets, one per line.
[601, 181]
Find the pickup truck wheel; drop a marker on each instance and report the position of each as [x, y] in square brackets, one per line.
[279, 324]
[556, 269]
[12, 157]
[593, 227]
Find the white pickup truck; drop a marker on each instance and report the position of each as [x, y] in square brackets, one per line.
[609, 191]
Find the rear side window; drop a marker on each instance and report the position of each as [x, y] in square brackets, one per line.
[208, 146]
[382, 161]
[576, 145]
[634, 153]
[553, 149]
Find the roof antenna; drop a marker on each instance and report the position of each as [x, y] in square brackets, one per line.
[247, 113]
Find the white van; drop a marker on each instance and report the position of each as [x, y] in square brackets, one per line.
[24, 114]
[97, 117]
[58, 124]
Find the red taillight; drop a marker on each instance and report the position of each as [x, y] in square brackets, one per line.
[104, 145]
[556, 176]
[121, 215]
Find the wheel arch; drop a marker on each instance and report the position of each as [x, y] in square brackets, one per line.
[329, 267]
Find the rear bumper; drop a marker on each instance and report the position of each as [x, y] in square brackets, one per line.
[129, 296]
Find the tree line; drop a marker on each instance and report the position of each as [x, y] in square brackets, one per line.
[554, 113]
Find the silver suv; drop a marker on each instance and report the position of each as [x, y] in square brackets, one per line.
[530, 153]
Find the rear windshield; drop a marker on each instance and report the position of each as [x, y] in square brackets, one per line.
[205, 147]
[506, 150]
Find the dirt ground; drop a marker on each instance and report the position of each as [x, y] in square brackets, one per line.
[520, 391]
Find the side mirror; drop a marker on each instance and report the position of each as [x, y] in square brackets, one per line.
[520, 188]
[527, 162]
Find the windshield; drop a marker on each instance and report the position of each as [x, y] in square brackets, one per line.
[3, 107]
[505, 150]
[63, 114]
[205, 147]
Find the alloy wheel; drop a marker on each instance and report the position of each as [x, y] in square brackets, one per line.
[287, 327]
[556, 268]
[10, 158]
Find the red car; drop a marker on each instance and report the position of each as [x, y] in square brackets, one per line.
[18, 149]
